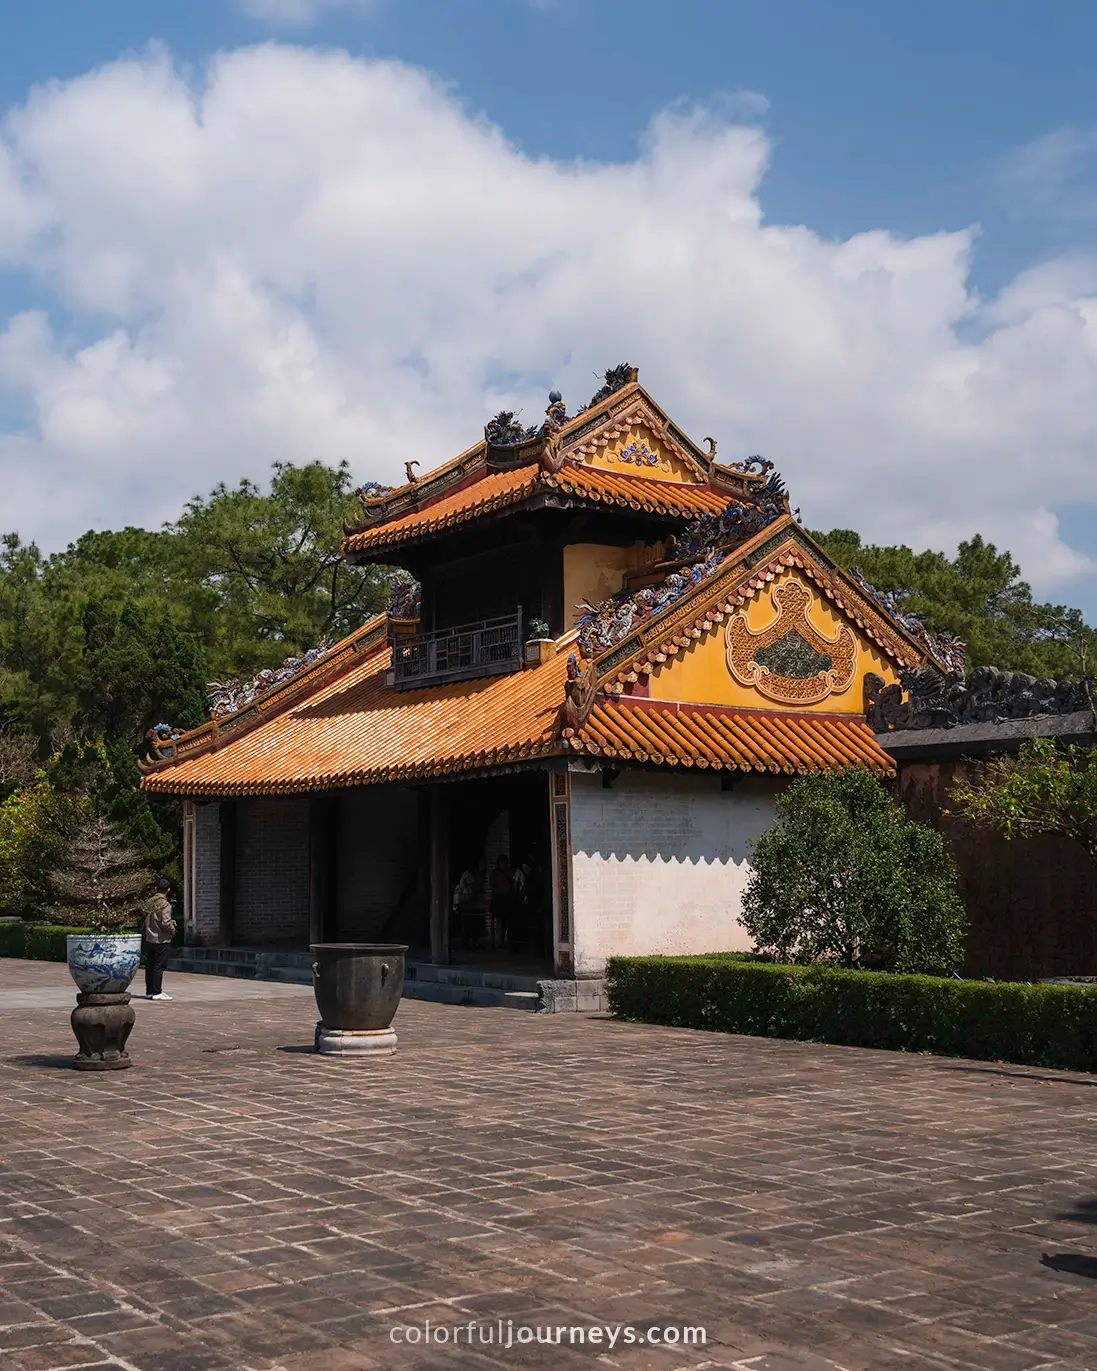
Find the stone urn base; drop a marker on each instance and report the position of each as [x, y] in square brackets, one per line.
[102, 1023]
[349, 1042]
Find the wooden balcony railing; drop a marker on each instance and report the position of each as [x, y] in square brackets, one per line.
[489, 648]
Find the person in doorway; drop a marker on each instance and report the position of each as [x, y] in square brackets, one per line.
[157, 931]
[469, 904]
[520, 905]
[502, 895]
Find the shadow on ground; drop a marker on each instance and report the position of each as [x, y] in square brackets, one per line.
[50, 1059]
[1074, 1263]
[1084, 1211]
[1016, 1075]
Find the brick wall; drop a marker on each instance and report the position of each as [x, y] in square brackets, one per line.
[378, 857]
[659, 863]
[1030, 900]
[272, 871]
[207, 876]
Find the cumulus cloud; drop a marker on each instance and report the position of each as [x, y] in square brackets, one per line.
[306, 255]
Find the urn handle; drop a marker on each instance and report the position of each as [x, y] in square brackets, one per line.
[316, 971]
[384, 972]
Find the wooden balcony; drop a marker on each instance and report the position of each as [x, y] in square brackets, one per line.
[491, 647]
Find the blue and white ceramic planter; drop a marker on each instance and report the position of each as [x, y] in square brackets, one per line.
[103, 963]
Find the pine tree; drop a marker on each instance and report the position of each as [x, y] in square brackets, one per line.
[100, 883]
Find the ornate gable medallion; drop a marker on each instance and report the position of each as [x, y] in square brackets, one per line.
[790, 660]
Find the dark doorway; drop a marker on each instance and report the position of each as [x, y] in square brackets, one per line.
[499, 837]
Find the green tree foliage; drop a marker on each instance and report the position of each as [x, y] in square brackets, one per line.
[844, 877]
[273, 580]
[89, 644]
[979, 596]
[36, 821]
[1044, 788]
[99, 881]
[125, 629]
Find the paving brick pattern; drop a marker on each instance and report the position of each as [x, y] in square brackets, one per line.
[236, 1202]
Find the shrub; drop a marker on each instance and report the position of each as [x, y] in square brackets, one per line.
[1045, 788]
[845, 877]
[1036, 1025]
[38, 942]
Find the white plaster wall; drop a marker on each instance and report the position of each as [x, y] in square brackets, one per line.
[659, 863]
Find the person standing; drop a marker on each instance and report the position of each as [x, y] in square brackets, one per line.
[157, 931]
[502, 892]
[469, 902]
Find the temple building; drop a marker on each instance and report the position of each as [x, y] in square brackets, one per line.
[607, 655]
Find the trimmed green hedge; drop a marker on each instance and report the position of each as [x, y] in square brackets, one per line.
[37, 942]
[1036, 1025]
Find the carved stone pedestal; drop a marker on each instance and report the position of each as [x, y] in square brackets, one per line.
[370, 1042]
[102, 1024]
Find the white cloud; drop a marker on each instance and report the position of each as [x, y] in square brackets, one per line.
[306, 255]
[1055, 176]
[298, 14]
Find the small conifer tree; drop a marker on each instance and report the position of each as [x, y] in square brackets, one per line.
[99, 882]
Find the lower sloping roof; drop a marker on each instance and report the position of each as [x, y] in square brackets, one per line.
[729, 739]
[358, 730]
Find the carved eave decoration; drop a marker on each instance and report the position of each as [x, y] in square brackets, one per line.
[370, 638]
[748, 572]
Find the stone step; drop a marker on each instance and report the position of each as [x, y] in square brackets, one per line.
[422, 980]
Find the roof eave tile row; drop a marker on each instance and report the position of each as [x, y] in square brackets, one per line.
[723, 739]
[504, 489]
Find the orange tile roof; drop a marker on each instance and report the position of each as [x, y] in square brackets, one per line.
[729, 739]
[498, 489]
[356, 730]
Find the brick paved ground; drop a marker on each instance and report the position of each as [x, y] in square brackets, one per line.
[235, 1201]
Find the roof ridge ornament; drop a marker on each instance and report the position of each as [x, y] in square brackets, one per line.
[228, 696]
[615, 379]
[988, 695]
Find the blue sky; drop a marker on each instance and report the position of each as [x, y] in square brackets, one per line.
[917, 120]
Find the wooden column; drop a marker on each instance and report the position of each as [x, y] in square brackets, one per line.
[323, 867]
[439, 875]
[227, 903]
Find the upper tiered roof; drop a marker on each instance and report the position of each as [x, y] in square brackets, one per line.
[621, 451]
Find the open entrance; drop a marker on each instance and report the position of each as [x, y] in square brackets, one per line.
[497, 873]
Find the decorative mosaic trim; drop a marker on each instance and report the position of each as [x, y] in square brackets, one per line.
[734, 584]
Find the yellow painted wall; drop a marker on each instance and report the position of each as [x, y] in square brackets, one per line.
[700, 674]
[593, 572]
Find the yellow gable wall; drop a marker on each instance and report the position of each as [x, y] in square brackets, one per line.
[593, 572]
[700, 674]
[629, 454]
